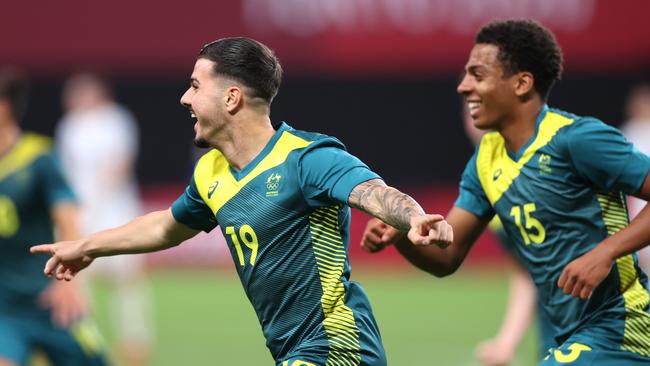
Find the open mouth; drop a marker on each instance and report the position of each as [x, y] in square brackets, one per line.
[473, 106]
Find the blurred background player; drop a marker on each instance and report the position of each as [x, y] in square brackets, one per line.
[35, 201]
[522, 305]
[637, 130]
[98, 142]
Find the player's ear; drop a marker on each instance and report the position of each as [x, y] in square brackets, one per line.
[233, 98]
[524, 83]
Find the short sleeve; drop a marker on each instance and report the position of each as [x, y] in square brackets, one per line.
[328, 173]
[190, 209]
[471, 195]
[55, 187]
[602, 155]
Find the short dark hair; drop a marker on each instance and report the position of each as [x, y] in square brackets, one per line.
[525, 45]
[14, 87]
[246, 61]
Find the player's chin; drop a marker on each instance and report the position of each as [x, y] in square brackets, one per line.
[201, 142]
[483, 123]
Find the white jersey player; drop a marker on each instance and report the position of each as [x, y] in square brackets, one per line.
[98, 142]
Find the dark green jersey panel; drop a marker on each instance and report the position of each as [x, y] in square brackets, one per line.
[558, 197]
[286, 220]
[31, 183]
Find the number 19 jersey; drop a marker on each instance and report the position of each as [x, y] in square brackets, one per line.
[286, 221]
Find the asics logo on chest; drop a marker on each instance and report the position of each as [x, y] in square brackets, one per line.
[212, 188]
[497, 174]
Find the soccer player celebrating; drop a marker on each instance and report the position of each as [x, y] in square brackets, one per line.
[281, 199]
[35, 313]
[558, 182]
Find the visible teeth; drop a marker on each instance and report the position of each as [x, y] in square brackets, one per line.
[473, 105]
[192, 115]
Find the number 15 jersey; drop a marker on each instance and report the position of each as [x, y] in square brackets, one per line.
[286, 221]
[558, 197]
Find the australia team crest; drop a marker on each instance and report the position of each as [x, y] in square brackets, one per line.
[273, 184]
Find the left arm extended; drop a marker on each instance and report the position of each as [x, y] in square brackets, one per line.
[582, 275]
[402, 212]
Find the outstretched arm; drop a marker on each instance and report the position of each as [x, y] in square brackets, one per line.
[154, 231]
[437, 261]
[443, 262]
[402, 212]
[386, 203]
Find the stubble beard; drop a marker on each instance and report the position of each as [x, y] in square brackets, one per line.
[201, 143]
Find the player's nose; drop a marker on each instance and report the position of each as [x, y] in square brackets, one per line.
[185, 100]
[464, 87]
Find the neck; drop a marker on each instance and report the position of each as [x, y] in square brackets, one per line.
[9, 134]
[244, 139]
[520, 127]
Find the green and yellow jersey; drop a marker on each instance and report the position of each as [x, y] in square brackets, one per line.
[559, 196]
[286, 221]
[31, 183]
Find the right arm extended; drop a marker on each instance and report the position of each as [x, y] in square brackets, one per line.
[151, 232]
[437, 261]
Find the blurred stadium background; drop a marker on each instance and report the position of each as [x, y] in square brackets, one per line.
[378, 74]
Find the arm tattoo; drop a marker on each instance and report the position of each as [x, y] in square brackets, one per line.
[386, 203]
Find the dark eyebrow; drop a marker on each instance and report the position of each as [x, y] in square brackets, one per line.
[473, 69]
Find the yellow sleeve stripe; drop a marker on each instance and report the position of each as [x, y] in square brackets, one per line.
[28, 149]
[636, 337]
[213, 168]
[330, 254]
[492, 156]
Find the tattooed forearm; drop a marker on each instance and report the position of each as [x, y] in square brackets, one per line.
[386, 203]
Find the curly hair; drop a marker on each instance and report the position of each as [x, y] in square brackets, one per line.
[525, 45]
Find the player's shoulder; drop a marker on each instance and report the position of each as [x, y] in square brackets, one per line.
[577, 123]
[122, 117]
[31, 150]
[33, 146]
[36, 141]
[580, 129]
[312, 139]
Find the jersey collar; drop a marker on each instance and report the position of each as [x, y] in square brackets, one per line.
[238, 175]
[540, 117]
